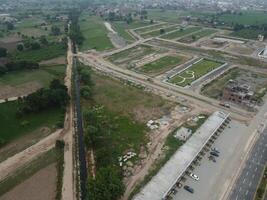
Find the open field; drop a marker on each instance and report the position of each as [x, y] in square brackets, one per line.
[19, 83]
[13, 127]
[247, 33]
[181, 32]
[45, 53]
[127, 57]
[256, 81]
[157, 32]
[196, 36]
[163, 64]
[164, 15]
[194, 72]
[94, 31]
[246, 18]
[121, 27]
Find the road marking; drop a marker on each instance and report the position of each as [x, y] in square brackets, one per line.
[240, 189]
[249, 184]
[246, 173]
[256, 169]
[263, 150]
[249, 166]
[236, 197]
[244, 180]
[246, 192]
[253, 175]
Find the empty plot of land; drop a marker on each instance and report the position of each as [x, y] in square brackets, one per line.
[194, 72]
[163, 64]
[240, 48]
[256, 81]
[196, 36]
[132, 55]
[160, 31]
[181, 32]
[152, 28]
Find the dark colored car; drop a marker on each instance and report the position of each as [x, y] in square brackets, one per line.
[189, 189]
[215, 150]
[214, 153]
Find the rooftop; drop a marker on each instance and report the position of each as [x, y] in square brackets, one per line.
[162, 183]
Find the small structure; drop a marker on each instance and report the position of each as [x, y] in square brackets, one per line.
[183, 133]
[260, 37]
[263, 53]
[237, 93]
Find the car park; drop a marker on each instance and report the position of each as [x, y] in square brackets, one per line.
[189, 189]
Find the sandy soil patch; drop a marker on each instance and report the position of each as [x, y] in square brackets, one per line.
[8, 91]
[55, 61]
[41, 186]
[239, 48]
[213, 43]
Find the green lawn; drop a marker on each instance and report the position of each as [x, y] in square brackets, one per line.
[186, 77]
[45, 53]
[12, 127]
[43, 76]
[157, 32]
[161, 65]
[196, 36]
[95, 33]
[181, 32]
[164, 15]
[151, 27]
[248, 33]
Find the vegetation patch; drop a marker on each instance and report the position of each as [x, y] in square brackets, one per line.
[262, 187]
[161, 65]
[181, 32]
[194, 72]
[196, 36]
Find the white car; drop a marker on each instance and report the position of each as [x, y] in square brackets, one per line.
[193, 176]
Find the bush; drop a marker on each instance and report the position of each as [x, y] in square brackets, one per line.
[3, 69]
[3, 52]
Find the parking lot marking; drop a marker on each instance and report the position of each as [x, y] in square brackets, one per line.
[246, 192]
[249, 184]
[244, 180]
[240, 189]
[253, 175]
[256, 169]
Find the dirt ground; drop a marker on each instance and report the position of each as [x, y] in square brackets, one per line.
[240, 48]
[41, 186]
[212, 43]
[10, 42]
[7, 91]
[55, 61]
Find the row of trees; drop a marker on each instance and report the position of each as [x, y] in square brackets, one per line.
[98, 125]
[18, 65]
[75, 33]
[53, 97]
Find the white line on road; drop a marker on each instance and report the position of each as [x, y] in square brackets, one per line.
[249, 184]
[256, 169]
[244, 180]
[246, 192]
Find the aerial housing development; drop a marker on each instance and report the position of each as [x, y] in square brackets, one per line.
[133, 100]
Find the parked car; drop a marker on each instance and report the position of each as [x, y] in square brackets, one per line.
[189, 189]
[215, 150]
[213, 153]
[193, 176]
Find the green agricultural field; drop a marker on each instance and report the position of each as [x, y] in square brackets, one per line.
[95, 33]
[45, 53]
[194, 72]
[245, 18]
[161, 65]
[248, 33]
[196, 36]
[181, 32]
[157, 32]
[164, 15]
[121, 27]
[12, 126]
[43, 76]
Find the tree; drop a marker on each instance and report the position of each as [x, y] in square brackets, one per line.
[3, 52]
[151, 21]
[107, 185]
[86, 92]
[85, 77]
[162, 31]
[35, 45]
[43, 40]
[20, 47]
[9, 26]
[55, 30]
[3, 70]
[194, 37]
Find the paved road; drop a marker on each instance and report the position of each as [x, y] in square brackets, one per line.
[246, 184]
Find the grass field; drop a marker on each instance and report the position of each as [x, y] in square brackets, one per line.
[194, 72]
[43, 76]
[181, 32]
[151, 27]
[246, 18]
[247, 33]
[196, 36]
[157, 32]
[95, 33]
[121, 27]
[45, 53]
[12, 127]
[161, 65]
[131, 54]
[164, 15]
